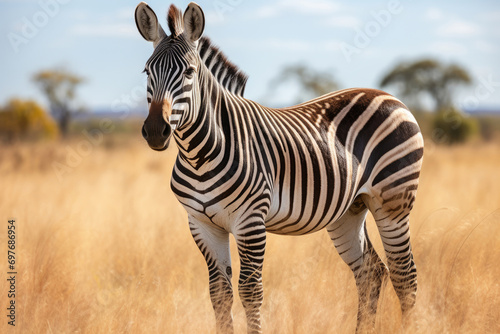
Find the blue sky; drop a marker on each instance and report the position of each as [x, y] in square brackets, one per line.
[357, 41]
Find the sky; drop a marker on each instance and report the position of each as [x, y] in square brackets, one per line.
[356, 41]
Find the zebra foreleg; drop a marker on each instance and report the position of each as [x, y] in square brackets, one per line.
[214, 245]
[251, 241]
[352, 243]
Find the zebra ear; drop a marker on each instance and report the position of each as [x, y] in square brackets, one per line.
[194, 22]
[147, 24]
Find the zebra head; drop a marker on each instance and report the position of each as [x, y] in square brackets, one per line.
[172, 89]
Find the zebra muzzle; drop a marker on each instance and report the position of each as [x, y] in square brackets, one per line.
[156, 130]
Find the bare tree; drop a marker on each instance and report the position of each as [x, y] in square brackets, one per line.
[312, 83]
[59, 85]
[430, 77]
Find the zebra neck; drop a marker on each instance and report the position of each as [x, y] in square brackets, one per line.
[204, 140]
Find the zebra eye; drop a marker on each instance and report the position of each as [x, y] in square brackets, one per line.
[189, 72]
[146, 71]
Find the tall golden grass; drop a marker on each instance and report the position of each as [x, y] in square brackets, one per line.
[107, 249]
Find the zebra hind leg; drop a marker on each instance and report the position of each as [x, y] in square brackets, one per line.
[214, 245]
[352, 243]
[392, 218]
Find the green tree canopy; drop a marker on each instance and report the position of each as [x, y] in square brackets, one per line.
[450, 126]
[59, 86]
[427, 76]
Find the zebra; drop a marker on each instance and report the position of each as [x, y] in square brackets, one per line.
[246, 169]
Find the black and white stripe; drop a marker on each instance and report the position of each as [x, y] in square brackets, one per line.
[246, 169]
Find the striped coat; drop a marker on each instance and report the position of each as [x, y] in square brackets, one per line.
[246, 169]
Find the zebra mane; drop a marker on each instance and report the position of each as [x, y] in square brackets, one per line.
[226, 73]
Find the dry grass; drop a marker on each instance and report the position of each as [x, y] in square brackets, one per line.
[108, 249]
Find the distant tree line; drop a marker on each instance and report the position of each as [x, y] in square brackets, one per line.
[27, 120]
[59, 87]
[425, 79]
[440, 82]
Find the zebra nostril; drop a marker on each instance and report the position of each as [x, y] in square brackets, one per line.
[166, 131]
[144, 132]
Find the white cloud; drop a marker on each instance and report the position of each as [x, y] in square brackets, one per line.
[126, 12]
[312, 7]
[433, 14]
[459, 28]
[332, 45]
[117, 23]
[286, 44]
[105, 30]
[267, 11]
[214, 17]
[283, 44]
[448, 48]
[343, 22]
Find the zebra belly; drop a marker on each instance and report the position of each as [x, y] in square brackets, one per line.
[298, 218]
[297, 227]
[310, 204]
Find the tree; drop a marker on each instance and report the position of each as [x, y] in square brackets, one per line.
[450, 126]
[427, 76]
[439, 81]
[59, 86]
[25, 119]
[312, 83]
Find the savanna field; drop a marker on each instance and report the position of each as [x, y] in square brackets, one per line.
[105, 248]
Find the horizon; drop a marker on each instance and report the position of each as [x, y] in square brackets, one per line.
[357, 42]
